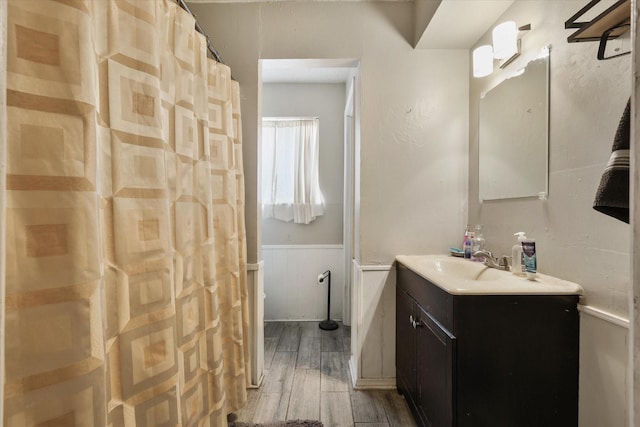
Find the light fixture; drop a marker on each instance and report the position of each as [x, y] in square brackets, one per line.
[505, 48]
[482, 61]
[505, 40]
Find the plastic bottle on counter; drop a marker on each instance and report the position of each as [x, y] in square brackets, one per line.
[517, 263]
[466, 236]
[530, 258]
[468, 245]
[478, 243]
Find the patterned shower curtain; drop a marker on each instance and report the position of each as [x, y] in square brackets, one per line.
[126, 300]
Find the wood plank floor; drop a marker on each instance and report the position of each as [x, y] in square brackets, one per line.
[307, 377]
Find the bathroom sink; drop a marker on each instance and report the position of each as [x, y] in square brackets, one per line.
[460, 276]
[443, 266]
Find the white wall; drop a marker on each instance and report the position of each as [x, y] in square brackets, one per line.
[414, 119]
[573, 241]
[325, 101]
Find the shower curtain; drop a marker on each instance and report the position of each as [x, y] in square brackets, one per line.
[126, 300]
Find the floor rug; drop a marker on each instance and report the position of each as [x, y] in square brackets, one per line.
[290, 423]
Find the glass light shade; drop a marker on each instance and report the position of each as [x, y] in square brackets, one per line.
[482, 61]
[505, 40]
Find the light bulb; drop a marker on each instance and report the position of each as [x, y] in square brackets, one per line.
[505, 40]
[482, 61]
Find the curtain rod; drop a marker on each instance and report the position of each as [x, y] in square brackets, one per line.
[199, 29]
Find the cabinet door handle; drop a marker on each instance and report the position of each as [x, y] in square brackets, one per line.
[414, 322]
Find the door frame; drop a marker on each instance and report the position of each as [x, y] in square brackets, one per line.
[349, 200]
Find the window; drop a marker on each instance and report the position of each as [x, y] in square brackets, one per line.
[290, 162]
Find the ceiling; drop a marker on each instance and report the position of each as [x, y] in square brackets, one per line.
[307, 70]
[305, 75]
[472, 17]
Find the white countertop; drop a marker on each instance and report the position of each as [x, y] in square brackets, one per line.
[460, 276]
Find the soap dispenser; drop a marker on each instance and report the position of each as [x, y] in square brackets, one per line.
[517, 266]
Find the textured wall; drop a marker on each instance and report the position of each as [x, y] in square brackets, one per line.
[325, 101]
[414, 112]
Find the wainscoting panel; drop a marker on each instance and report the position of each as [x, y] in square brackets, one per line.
[373, 339]
[290, 275]
[603, 369]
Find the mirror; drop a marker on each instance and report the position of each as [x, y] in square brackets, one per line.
[514, 135]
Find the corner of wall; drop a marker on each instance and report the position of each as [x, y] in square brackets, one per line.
[255, 288]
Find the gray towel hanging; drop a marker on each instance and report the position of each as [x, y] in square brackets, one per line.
[612, 197]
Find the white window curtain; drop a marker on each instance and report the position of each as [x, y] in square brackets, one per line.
[290, 162]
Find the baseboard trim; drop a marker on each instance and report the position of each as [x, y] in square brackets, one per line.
[369, 383]
[375, 384]
[258, 384]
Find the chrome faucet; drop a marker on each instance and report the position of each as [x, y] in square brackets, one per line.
[501, 263]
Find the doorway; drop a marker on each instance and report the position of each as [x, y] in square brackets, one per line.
[295, 254]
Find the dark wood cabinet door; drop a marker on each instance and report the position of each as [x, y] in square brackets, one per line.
[405, 344]
[435, 352]
[517, 360]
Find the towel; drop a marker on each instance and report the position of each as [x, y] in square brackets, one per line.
[612, 197]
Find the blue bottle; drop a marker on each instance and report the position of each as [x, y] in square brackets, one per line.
[530, 259]
[468, 245]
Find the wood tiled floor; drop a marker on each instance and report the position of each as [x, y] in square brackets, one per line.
[307, 377]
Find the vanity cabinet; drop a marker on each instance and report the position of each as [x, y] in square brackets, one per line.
[486, 360]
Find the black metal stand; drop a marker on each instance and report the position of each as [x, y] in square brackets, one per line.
[328, 324]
